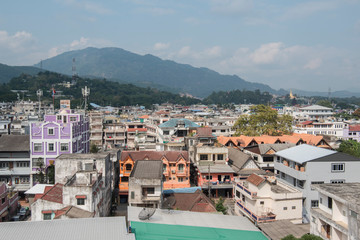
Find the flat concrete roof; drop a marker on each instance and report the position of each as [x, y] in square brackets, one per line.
[281, 228]
[109, 228]
[348, 192]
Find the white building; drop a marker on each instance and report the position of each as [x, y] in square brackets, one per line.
[304, 165]
[264, 200]
[337, 216]
[321, 128]
[316, 112]
[146, 183]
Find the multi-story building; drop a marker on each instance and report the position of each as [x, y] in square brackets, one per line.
[352, 132]
[316, 112]
[5, 127]
[15, 161]
[145, 184]
[264, 200]
[9, 202]
[304, 165]
[82, 181]
[337, 216]
[321, 128]
[62, 133]
[96, 128]
[176, 168]
[115, 134]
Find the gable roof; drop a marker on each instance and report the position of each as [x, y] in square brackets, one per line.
[54, 194]
[171, 156]
[147, 169]
[315, 107]
[237, 157]
[204, 132]
[15, 143]
[73, 212]
[304, 153]
[255, 179]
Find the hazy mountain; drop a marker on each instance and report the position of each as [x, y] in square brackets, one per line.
[124, 66]
[339, 94]
[9, 72]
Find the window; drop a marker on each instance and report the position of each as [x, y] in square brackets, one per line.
[166, 132]
[128, 167]
[293, 207]
[164, 167]
[337, 181]
[132, 195]
[64, 147]
[80, 201]
[330, 202]
[181, 167]
[124, 179]
[50, 131]
[268, 159]
[207, 177]
[2, 200]
[314, 203]
[300, 184]
[180, 179]
[203, 157]
[285, 208]
[36, 162]
[255, 158]
[222, 130]
[220, 157]
[353, 214]
[4, 164]
[37, 147]
[72, 119]
[22, 164]
[261, 202]
[58, 117]
[148, 190]
[237, 194]
[51, 147]
[24, 180]
[320, 200]
[338, 167]
[47, 216]
[317, 182]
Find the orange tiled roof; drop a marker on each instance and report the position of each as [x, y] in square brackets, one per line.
[171, 156]
[144, 116]
[354, 128]
[54, 194]
[255, 179]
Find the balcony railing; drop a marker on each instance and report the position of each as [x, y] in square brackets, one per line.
[250, 193]
[259, 219]
[181, 173]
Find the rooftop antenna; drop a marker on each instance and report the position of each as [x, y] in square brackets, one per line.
[74, 73]
[39, 93]
[85, 92]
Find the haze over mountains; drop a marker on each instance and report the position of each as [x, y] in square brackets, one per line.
[123, 66]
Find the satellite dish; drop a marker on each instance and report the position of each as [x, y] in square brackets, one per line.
[146, 213]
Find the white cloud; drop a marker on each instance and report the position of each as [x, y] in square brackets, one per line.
[89, 6]
[161, 46]
[266, 53]
[17, 42]
[184, 51]
[313, 64]
[213, 51]
[231, 6]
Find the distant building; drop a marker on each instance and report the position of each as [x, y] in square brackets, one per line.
[63, 133]
[352, 132]
[316, 112]
[96, 128]
[337, 216]
[9, 202]
[146, 184]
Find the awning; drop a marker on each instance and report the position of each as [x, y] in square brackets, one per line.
[80, 196]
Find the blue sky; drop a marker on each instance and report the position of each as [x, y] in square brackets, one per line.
[309, 45]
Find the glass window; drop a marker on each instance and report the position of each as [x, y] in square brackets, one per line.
[47, 216]
[36, 162]
[124, 179]
[330, 202]
[37, 147]
[337, 181]
[50, 131]
[285, 208]
[164, 167]
[180, 179]
[64, 147]
[51, 147]
[128, 167]
[80, 201]
[181, 167]
[203, 157]
[338, 167]
[220, 157]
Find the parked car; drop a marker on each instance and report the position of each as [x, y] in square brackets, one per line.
[24, 211]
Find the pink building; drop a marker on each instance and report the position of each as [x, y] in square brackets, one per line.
[8, 203]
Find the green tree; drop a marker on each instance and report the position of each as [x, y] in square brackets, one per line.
[220, 206]
[40, 175]
[94, 148]
[351, 147]
[356, 113]
[324, 103]
[304, 237]
[263, 120]
[51, 174]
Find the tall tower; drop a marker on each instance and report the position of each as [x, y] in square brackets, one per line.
[39, 93]
[85, 92]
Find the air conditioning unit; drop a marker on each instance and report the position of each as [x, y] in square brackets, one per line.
[172, 171]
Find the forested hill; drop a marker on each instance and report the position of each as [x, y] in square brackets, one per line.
[121, 65]
[9, 72]
[238, 97]
[103, 92]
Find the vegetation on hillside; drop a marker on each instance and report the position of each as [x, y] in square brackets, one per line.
[351, 147]
[263, 120]
[238, 97]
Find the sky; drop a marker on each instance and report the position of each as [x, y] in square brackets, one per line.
[307, 45]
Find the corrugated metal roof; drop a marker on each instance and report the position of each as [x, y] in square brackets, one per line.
[173, 122]
[304, 153]
[15, 143]
[109, 228]
[217, 168]
[148, 169]
[38, 189]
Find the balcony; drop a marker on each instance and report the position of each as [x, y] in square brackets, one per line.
[181, 173]
[270, 217]
[218, 184]
[150, 198]
[327, 218]
[250, 193]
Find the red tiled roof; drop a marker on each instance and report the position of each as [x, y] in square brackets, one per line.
[54, 194]
[255, 179]
[171, 156]
[354, 128]
[306, 122]
[204, 132]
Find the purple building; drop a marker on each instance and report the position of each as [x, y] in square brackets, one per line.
[352, 132]
[65, 132]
